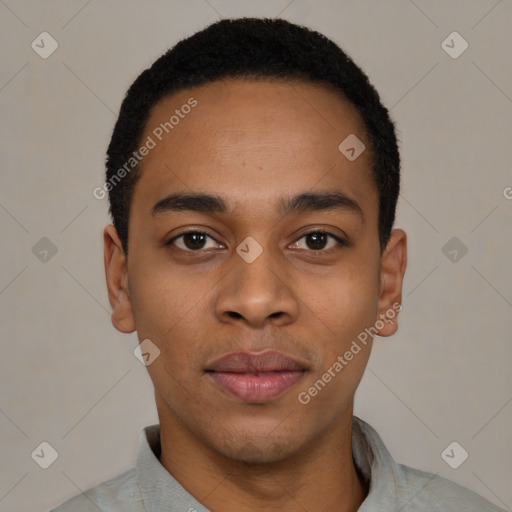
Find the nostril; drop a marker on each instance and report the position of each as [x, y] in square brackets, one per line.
[234, 314]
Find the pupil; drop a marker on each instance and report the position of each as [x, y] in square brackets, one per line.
[316, 238]
[194, 240]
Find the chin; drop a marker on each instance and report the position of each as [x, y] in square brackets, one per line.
[258, 448]
[257, 454]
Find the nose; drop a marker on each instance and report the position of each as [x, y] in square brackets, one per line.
[257, 293]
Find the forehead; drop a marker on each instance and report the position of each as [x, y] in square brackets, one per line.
[252, 140]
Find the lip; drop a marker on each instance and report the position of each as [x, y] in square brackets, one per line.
[256, 377]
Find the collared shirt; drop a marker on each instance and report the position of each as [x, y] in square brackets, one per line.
[393, 487]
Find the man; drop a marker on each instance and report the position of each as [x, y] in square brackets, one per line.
[253, 175]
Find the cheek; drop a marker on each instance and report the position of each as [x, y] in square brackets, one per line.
[342, 310]
[167, 315]
[168, 309]
[342, 304]
[164, 296]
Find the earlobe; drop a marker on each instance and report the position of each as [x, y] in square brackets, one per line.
[393, 265]
[117, 281]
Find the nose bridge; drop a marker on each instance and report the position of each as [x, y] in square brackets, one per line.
[254, 288]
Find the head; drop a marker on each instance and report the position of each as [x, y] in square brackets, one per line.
[294, 249]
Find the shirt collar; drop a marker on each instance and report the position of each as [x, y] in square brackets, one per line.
[161, 491]
[377, 466]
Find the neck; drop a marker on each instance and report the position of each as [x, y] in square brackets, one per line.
[322, 477]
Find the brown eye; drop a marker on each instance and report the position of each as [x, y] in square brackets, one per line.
[318, 241]
[192, 241]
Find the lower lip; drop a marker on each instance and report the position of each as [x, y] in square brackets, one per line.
[256, 388]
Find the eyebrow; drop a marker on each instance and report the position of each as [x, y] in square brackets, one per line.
[305, 202]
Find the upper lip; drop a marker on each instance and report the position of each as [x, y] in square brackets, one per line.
[250, 362]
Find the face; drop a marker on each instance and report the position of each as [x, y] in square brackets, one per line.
[285, 257]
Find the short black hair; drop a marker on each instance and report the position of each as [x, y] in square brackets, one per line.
[264, 48]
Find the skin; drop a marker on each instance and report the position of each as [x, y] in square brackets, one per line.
[254, 143]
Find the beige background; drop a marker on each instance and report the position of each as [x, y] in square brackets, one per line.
[68, 378]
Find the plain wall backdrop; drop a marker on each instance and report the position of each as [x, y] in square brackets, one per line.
[70, 379]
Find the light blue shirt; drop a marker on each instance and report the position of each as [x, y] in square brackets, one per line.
[393, 487]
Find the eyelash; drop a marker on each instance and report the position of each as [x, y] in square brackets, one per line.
[340, 241]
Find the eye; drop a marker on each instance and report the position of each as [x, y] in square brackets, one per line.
[192, 241]
[318, 240]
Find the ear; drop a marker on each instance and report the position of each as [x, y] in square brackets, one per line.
[393, 265]
[117, 281]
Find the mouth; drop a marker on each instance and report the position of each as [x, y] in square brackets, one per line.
[256, 378]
